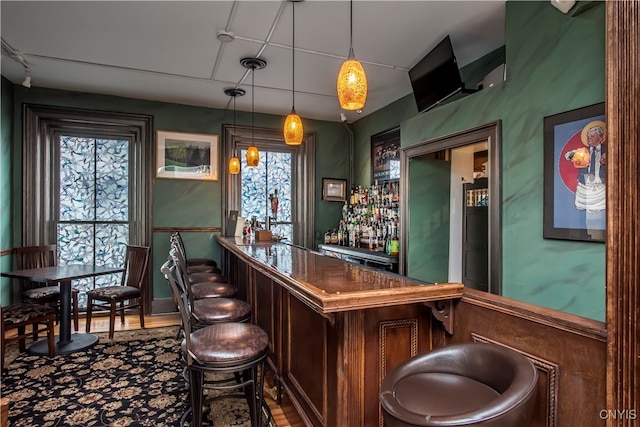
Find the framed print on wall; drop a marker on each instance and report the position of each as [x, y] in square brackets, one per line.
[575, 174]
[182, 155]
[334, 190]
[385, 156]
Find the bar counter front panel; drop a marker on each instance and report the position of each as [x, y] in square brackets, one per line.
[335, 328]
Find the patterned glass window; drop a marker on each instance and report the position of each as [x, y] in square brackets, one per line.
[271, 178]
[93, 205]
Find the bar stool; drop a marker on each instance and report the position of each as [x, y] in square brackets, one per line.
[467, 384]
[202, 285]
[232, 348]
[194, 264]
[208, 310]
[196, 277]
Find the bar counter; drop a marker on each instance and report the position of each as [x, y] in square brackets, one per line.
[335, 328]
[330, 285]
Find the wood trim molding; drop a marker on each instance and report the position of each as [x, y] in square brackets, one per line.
[548, 368]
[351, 373]
[623, 225]
[386, 327]
[545, 316]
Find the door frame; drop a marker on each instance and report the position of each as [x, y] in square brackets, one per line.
[491, 133]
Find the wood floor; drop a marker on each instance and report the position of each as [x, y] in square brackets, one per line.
[132, 322]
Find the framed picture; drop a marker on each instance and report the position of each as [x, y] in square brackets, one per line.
[334, 190]
[575, 174]
[183, 155]
[385, 156]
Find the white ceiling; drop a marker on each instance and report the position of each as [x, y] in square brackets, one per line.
[168, 50]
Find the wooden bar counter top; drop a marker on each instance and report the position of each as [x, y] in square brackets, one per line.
[330, 285]
[335, 328]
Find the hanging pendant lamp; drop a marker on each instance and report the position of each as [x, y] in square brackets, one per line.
[352, 81]
[253, 156]
[234, 161]
[293, 130]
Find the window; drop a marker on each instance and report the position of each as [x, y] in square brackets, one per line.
[93, 205]
[288, 169]
[86, 178]
[261, 185]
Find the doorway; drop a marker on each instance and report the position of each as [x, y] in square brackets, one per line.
[447, 183]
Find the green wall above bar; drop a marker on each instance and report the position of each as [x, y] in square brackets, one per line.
[555, 63]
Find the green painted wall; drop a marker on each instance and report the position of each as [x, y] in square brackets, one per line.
[178, 203]
[555, 63]
[430, 219]
[6, 224]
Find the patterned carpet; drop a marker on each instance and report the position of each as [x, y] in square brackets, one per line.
[133, 380]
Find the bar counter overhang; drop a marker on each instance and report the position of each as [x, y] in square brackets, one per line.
[335, 328]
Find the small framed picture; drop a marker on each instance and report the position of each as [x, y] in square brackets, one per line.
[385, 156]
[183, 155]
[334, 190]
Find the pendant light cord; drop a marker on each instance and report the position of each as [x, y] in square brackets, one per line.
[253, 108]
[351, 54]
[293, 55]
[234, 124]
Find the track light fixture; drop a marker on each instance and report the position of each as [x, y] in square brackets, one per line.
[27, 78]
[19, 57]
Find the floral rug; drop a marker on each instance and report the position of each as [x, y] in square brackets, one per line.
[133, 380]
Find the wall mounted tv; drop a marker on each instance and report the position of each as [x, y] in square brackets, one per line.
[436, 77]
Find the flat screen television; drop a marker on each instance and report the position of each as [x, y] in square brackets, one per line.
[436, 77]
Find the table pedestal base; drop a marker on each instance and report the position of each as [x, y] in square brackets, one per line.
[78, 342]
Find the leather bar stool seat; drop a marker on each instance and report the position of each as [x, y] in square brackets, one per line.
[210, 311]
[205, 277]
[213, 290]
[195, 262]
[203, 269]
[237, 349]
[228, 344]
[469, 384]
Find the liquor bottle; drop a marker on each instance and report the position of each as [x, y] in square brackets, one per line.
[395, 242]
[334, 237]
[327, 237]
[369, 218]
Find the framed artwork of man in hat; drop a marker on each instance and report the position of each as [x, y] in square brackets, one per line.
[575, 174]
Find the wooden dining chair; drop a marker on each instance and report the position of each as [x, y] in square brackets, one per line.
[28, 257]
[18, 316]
[131, 290]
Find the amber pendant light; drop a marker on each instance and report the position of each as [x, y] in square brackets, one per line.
[293, 130]
[253, 156]
[234, 161]
[352, 81]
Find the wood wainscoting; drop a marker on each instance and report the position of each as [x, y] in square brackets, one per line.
[569, 351]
